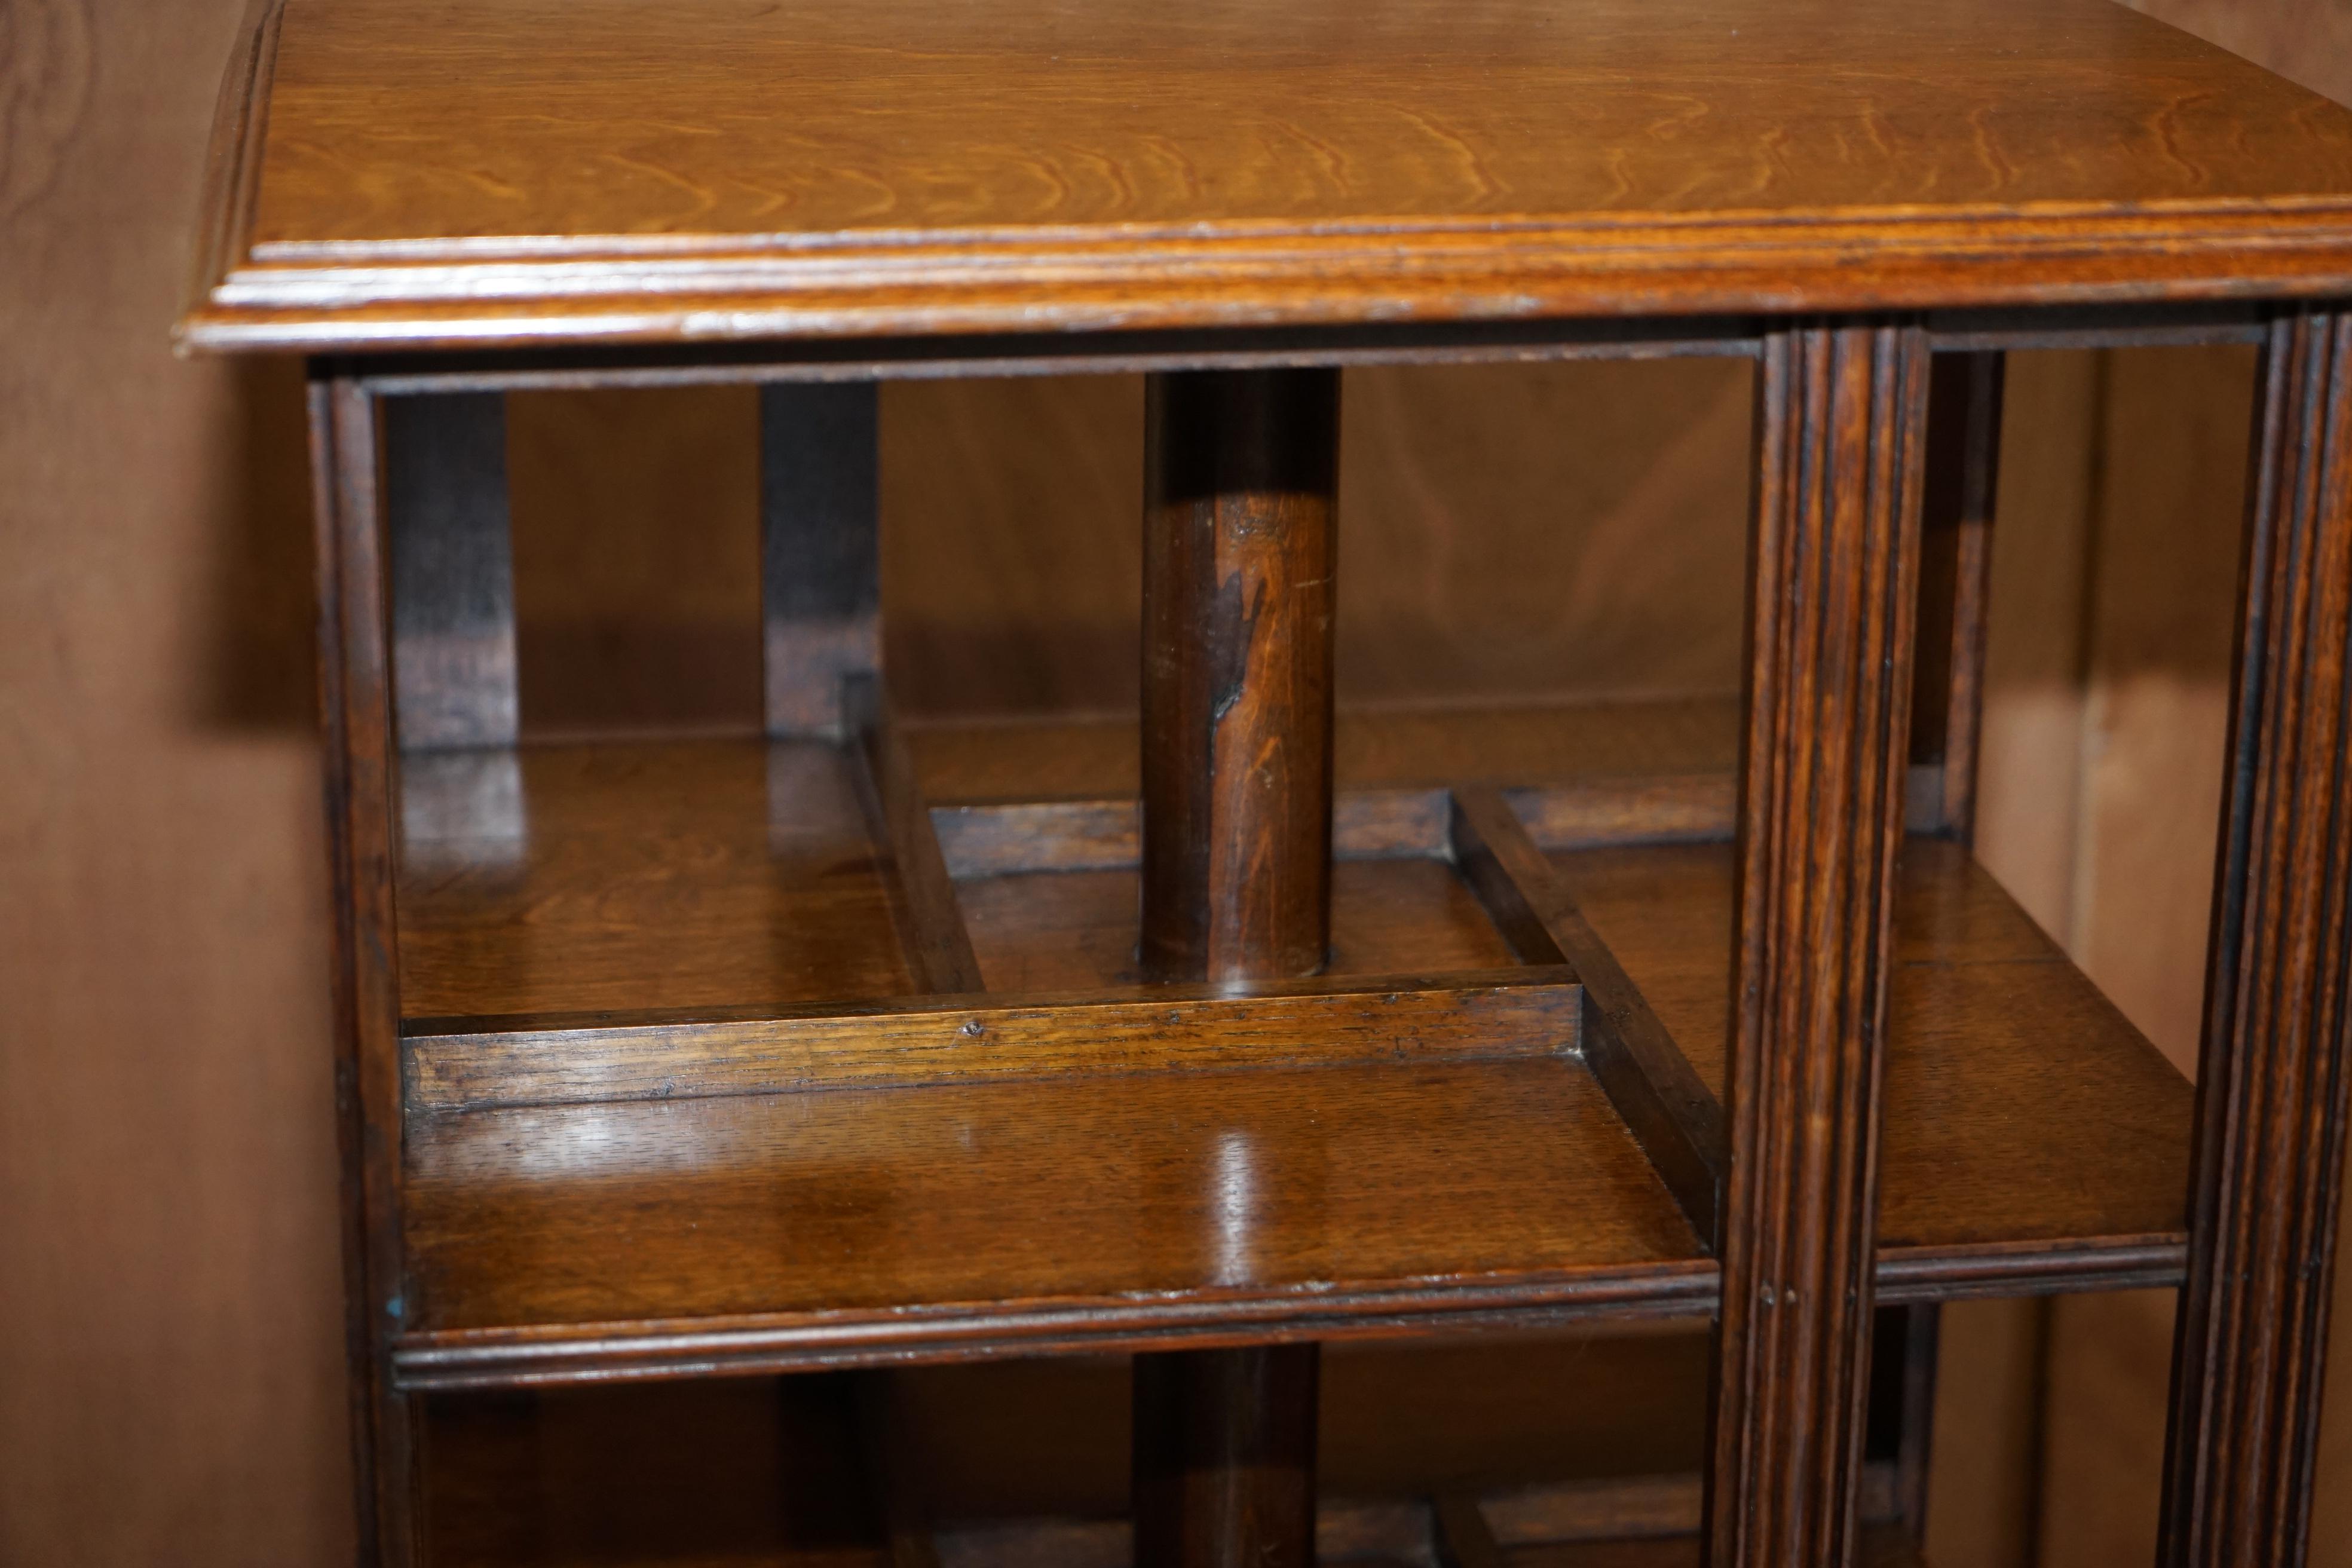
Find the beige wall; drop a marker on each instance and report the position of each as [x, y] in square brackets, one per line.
[169, 1369]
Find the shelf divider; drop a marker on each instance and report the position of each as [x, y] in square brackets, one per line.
[1669, 1109]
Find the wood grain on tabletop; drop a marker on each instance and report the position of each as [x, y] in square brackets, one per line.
[422, 173]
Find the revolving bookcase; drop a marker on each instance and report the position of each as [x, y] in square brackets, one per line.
[809, 1059]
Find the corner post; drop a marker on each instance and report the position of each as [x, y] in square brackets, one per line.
[356, 688]
[2266, 1179]
[1840, 424]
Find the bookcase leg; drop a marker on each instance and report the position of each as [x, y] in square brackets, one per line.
[1841, 415]
[2266, 1177]
[1240, 475]
[355, 678]
[1962, 473]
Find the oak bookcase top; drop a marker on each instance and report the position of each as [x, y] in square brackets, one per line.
[393, 173]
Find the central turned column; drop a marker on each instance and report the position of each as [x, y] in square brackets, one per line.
[1241, 472]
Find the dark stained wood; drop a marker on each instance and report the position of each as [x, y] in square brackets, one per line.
[1461, 1538]
[2251, 1337]
[526, 172]
[736, 1470]
[820, 550]
[1240, 493]
[1102, 835]
[356, 729]
[1225, 1458]
[1038, 836]
[923, 899]
[1601, 1507]
[1670, 1109]
[2019, 1103]
[1918, 1333]
[764, 1231]
[1462, 342]
[1572, 745]
[1959, 485]
[1883, 1546]
[1075, 929]
[1000, 354]
[887, 1442]
[1962, 475]
[1240, 476]
[1840, 417]
[474, 1063]
[453, 612]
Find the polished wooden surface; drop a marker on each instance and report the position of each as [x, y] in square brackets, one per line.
[528, 171]
[1240, 534]
[602, 1058]
[2034, 1140]
[2276, 1061]
[1267, 1200]
[699, 874]
[1840, 422]
[2006, 1074]
[1673, 1112]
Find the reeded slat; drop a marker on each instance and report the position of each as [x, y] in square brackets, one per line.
[2253, 1332]
[1838, 430]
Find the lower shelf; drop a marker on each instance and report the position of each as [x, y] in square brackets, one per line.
[1546, 1449]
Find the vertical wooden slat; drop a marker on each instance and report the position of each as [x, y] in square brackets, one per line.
[445, 496]
[355, 721]
[2266, 1181]
[1840, 417]
[1241, 475]
[1960, 481]
[819, 553]
[1962, 473]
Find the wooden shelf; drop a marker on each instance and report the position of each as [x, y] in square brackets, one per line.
[1449, 1165]
[786, 1229]
[2032, 1135]
[1571, 1447]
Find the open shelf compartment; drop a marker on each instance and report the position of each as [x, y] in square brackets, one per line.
[679, 1101]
